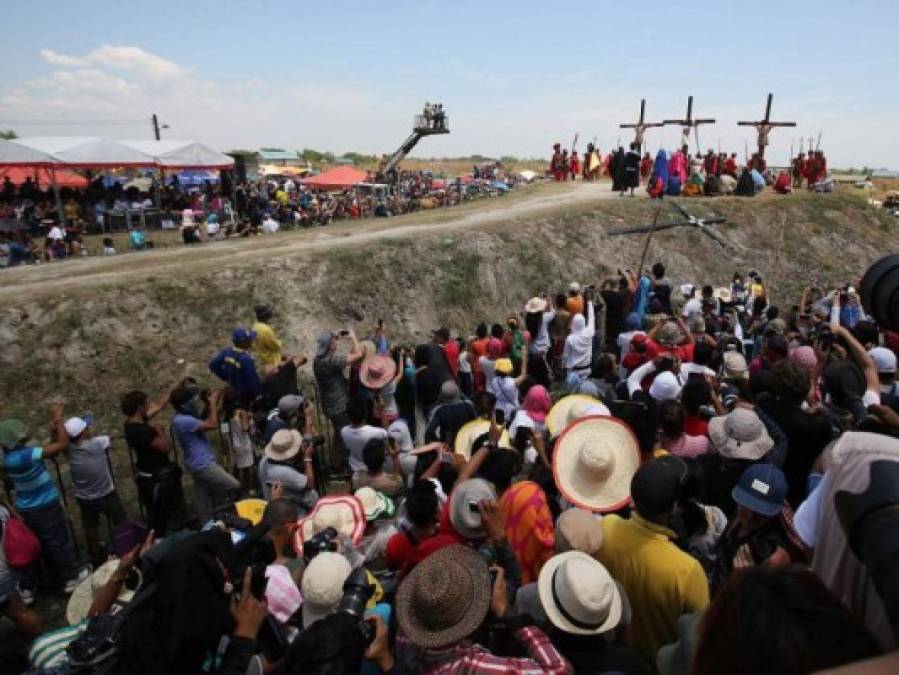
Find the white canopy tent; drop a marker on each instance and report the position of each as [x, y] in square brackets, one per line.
[95, 152]
[182, 154]
[88, 152]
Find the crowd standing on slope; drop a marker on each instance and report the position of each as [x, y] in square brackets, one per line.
[633, 476]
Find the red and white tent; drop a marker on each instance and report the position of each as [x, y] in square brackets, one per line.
[341, 177]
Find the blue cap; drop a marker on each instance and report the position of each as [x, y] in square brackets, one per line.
[241, 334]
[762, 489]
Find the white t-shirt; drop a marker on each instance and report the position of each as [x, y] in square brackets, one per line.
[355, 438]
[464, 363]
[212, 229]
[506, 392]
[270, 226]
[489, 368]
[56, 233]
[692, 306]
[187, 217]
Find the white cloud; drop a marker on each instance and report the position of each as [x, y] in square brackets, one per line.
[119, 57]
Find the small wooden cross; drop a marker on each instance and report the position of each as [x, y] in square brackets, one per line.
[764, 127]
[640, 126]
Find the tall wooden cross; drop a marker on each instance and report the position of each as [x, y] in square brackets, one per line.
[688, 124]
[764, 127]
[640, 126]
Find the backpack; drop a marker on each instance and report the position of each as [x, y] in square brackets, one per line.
[21, 546]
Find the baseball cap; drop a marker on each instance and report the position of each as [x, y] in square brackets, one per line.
[289, 404]
[75, 426]
[665, 386]
[762, 489]
[574, 286]
[884, 359]
[241, 334]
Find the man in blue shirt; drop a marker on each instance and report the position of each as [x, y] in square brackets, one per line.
[37, 500]
[236, 367]
[211, 482]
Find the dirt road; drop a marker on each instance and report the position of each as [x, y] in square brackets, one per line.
[23, 282]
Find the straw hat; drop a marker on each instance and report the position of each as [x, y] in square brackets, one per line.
[471, 431]
[342, 512]
[570, 408]
[285, 444]
[464, 510]
[83, 597]
[535, 305]
[375, 504]
[723, 294]
[594, 461]
[445, 598]
[578, 594]
[322, 585]
[740, 435]
[377, 371]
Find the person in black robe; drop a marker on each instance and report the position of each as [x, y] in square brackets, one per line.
[628, 175]
[745, 186]
[616, 168]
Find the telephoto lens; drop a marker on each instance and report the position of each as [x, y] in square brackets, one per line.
[880, 291]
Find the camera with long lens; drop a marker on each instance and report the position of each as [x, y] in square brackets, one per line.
[879, 291]
[357, 591]
[870, 520]
[324, 541]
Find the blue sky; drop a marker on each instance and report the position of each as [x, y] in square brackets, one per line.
[514, 77]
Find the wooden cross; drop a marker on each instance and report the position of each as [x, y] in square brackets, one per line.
[701, 224]
[764, 127]
[689, 123]
[641, 126]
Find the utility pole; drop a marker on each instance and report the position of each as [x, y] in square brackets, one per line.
[156, 126]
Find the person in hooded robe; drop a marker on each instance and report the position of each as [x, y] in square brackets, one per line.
[628, 174]
[646, 166]
[745, 185]
[677, 167]
[658, 181]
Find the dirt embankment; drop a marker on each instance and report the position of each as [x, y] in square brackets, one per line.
[88, 334]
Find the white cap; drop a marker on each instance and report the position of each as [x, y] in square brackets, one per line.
[664, 387]
[75, 426]
[574, 286]
[884, 359]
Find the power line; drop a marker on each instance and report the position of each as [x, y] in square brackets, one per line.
[71, 122]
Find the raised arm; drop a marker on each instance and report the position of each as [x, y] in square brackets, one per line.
[861, 357]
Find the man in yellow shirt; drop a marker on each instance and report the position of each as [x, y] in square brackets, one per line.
[267, 345]
[662, 582]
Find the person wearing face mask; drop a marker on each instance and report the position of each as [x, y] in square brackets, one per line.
[158, 478]
[211, 482]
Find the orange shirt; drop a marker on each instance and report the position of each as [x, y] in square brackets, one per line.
[575, 304]
[478, 349]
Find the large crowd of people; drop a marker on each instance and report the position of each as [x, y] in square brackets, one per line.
[679, 173]
[633, 476]
[32, 230]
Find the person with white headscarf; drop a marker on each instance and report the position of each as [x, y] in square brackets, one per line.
[577, 356]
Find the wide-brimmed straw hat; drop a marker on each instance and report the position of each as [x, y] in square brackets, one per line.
[445, 598]
[740, 435]
[571, 408]
[535, 305]
[377, 371]
[465, 509]
[83, 597]
[342, 512]
[285, 444]
[472, 431]
[375, 504]
[594, 461]
[578, 594]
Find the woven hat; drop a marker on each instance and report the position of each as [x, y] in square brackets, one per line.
[465, 511]
[472, 431]
[740, 435]
[322, 585]
[285, 444]
[535, 305]
[735, 367]
[83, 597]
[594, 461]
[579, 530]
[445, 598]
[578, 594]
[375, 504]
[571, 408]
[503, 367]
[377, 371]
[342, 512]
